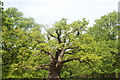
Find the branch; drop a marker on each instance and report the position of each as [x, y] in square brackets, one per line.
[68, 53]
[57, 54]
[60, 57]
[75, 48]
[68, 60]
[70, 48]
[86, 63]
[44, 65]
[49, 33]
[58, 35]
[64, 37]
[73, 31]
[89, 65]
[48, 53]
[81, 61]
[39, 68]
[48, 37]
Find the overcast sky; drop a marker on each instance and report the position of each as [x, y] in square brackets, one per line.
[49, 11]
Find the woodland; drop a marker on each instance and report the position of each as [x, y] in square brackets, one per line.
[60, 50]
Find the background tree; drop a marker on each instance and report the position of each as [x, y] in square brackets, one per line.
[20, 37]
[1, 8]
[105, 30]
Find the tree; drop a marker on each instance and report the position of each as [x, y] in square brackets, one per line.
[66, 43]
[105, 30]
[1, 8]
[20, 35]
[70, 42]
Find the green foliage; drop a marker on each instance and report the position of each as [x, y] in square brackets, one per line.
[25, 48]
[20, 36]
[105, 31]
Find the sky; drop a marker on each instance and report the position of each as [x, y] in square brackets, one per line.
[50, 11]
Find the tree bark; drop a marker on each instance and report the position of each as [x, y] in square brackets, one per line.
[54, 70]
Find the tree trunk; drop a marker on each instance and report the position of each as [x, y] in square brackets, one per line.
[54, 70]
